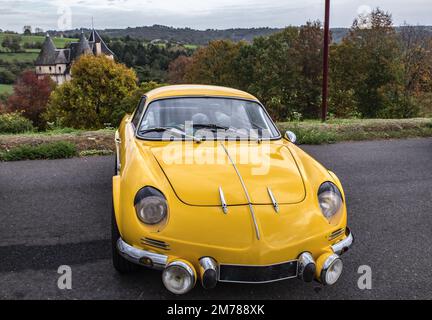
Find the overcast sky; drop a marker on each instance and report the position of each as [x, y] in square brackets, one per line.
[198, 14]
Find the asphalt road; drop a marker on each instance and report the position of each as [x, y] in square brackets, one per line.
[57, 212]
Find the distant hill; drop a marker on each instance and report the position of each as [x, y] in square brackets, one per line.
[198, 37]
[181, 35]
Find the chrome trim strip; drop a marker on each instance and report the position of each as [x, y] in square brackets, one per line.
[257, 265]
[253, 265]
[273, 199]
[258, 282]
[344, 244]
[245, 191]
[223, 202]
[135, 255]
[117, 146]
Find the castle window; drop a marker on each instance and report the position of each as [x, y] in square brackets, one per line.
[59, 69]
[49, 68]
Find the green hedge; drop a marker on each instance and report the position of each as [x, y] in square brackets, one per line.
[52, 150]
[14, 123]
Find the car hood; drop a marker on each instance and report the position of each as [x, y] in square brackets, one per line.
[197, 172]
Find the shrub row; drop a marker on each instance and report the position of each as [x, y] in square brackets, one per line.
[52, 150]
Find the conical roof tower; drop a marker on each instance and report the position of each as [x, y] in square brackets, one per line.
[83, 45]
[48, 53]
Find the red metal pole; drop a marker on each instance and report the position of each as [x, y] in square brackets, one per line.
[325, 60]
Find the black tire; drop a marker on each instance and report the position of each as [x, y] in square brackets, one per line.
[120, 264]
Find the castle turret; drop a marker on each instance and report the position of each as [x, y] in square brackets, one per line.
[99, 46]
[83, 45]
[47, 54]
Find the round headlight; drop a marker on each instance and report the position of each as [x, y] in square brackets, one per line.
[330, 199]
[178, 277]
[332, 270]
[151, 206]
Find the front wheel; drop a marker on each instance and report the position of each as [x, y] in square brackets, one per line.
[120, 264]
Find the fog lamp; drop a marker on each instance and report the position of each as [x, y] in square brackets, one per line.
[331, 270]
[178, 277]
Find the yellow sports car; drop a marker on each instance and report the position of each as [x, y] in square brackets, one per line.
[207, 189]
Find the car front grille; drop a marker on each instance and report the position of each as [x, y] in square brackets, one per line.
[155, 243]
[336, 233]
[257, 274]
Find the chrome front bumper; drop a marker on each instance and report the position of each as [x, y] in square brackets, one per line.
[142, 257]
[343, 245]
[159, 261]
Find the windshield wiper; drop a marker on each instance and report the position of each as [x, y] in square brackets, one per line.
[156, 129]
[209, 126]
[172, 130]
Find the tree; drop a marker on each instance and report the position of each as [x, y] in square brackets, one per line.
[30, 96]
[12, 42]
[214, 64]
[130, 102]
[93, 95]
[309, 55]
[268, 69]
[284, 71]
[27, 30]
[178, 68]
[416, 43]
[368, 64]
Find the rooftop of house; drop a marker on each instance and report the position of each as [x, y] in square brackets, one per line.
[50, 55]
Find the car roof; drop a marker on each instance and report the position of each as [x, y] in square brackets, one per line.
[196, 90]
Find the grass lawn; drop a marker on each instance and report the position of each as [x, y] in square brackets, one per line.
[6, 88]
[32, 50]
[59, 42]
[20, 56]
[316, 132]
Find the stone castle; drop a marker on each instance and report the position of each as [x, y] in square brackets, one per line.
[57, 63]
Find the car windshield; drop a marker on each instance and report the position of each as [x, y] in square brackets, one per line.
[206, 118]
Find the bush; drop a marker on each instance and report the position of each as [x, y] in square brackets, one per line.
[30, 96]
[14, 123]
[92, 97]
[52, 150]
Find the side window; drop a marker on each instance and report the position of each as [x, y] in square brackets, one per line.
[138, 113]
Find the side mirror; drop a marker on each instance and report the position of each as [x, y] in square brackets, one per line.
[291, 136]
